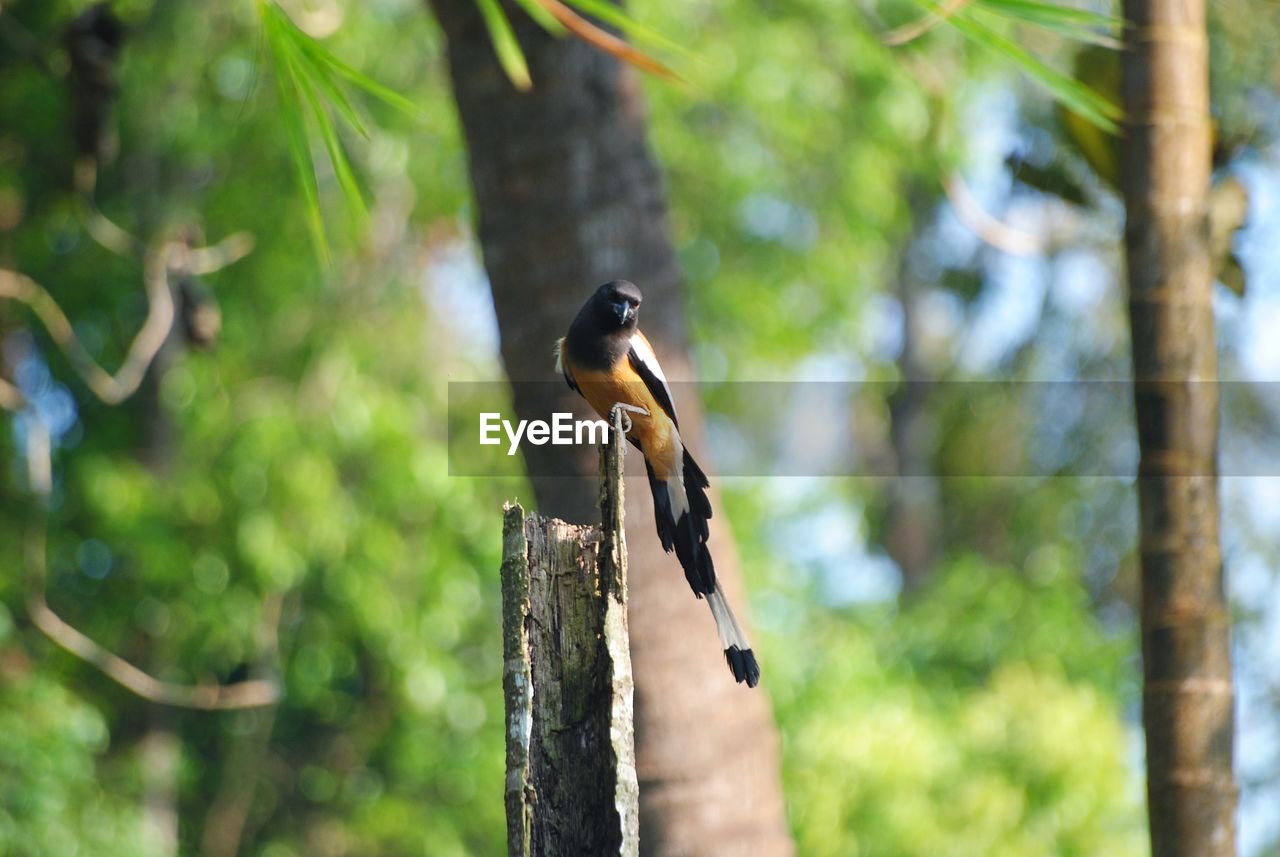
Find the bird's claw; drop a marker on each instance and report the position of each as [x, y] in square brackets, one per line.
[620, 413]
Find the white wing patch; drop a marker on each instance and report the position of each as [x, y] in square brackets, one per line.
[675, 479]
[650, 360]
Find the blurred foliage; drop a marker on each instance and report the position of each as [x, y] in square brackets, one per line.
[990, 710]
[984, 715]
[917, 734]
[786, 176]
[303, 459]
[52, 799]
[311, 82]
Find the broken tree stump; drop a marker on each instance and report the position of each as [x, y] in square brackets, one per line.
[571, 774]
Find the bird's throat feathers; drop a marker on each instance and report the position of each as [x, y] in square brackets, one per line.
[589, 347]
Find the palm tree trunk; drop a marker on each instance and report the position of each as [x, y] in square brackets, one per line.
[568, 197]
[1187, 694]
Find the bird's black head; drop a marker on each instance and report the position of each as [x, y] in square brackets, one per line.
[618, 302]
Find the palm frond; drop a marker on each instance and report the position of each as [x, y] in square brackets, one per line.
[1077, 25]
[295, 127]
[310, 83]
[979, 22]
[505, 45]
[1075, 95]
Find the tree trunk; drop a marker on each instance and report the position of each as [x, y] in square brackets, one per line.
[160, 749]
[1187, 694]
[912, 530]
[569, 197]
[571, 763]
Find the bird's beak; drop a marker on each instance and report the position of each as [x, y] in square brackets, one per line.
[624, 311]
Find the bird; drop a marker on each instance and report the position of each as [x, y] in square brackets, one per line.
[609, 362]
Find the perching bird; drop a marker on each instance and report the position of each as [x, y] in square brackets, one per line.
[609, 362]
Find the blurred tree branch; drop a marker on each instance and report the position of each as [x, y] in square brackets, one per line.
[161, 264]
[10, 397]
[246, 694]
[986, 226]
[103, 230]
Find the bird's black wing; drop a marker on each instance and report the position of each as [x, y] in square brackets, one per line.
[645, 362]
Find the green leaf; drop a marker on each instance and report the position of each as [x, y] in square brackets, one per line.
[1079, 25]
[307, 66]
[510, 55]
[1071, 92]
[308, 73]
[544, 19]
[295, 127]
[337, 156]
[1035, 10]
[296, 133]
[321, 77]
[358, 78]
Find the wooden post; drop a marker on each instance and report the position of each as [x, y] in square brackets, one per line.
[571, 772]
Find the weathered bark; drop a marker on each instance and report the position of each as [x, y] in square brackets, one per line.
[571, 775]
[569, 197]
[1187, 695]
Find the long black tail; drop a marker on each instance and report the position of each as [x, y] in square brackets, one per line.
[682, 513]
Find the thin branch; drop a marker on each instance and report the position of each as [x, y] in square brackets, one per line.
[915, 29]
[228, 251]
[111, 389]
[11, 399]
[253, 693]
[1016, 242]
[104, 230]
[39, 467]
[169, 257]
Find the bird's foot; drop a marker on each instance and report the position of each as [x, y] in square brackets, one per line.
[619, 415]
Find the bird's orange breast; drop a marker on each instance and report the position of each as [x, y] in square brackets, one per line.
[655, 432]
